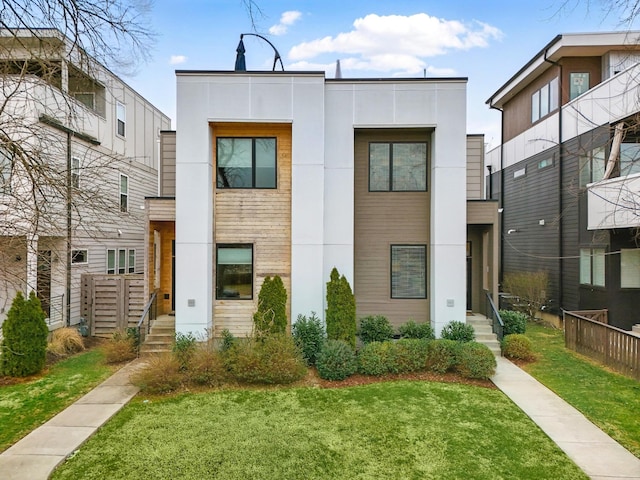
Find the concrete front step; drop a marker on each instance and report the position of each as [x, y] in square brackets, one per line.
[484, 332]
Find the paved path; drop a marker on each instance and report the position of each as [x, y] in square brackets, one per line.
[597, 454]
[39, 453]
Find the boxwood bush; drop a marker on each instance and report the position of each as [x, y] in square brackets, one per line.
[336, 360]
[458, 331]
[375, 328]
[309, 336]
[517, 346]
[441, 355]
[377, 358]
[411, 354]
[412, 329]
[475, 360]
[514, 322]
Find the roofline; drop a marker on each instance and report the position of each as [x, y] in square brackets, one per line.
[252, 72]
[320, 73]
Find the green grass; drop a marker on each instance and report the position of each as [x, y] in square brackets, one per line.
[25, 406]
[609, 400]
[408, 430]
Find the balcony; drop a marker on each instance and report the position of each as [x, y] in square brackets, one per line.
[614, 203]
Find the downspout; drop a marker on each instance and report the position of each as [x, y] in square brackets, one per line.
[68, 252]
[560, 181]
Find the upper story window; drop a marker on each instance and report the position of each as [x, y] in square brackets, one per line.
[246, 162]
[544, 101]
[75, 172]
[6, 169]
[398, 167]
[578, 84]
[629, 158]
[124, 193]
[592, 166]
[121, 119]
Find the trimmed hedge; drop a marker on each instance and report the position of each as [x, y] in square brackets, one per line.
[375, 328]
[517, 346]
[514, 322]
[441, 355]
[336, 360]
[475, 360]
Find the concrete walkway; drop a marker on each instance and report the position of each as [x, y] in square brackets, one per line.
[597, 454]
[39, 453]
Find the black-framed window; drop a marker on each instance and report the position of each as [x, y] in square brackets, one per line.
[79, 256]
[408, 271]
[246, 162]
[398, 167]
[121, 119]
[234, 271]
[592, 266]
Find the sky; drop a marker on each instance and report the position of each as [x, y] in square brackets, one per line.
[486, 42]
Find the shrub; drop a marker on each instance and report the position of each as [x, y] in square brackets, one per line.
[441, 355]
[65, 341]
[377, 358]
[274, 359]
[458, 331]
[308, 334]
[206, 367]
[160, 374]
[475, 360]
[228, 340]
[25, 332]
[375, 329]
[119, 348]
[336, 360]
[183, 348]
[412, 329]
[514, 322]
[411, 354]
[271, 316]
[517, 346]
[341, 310]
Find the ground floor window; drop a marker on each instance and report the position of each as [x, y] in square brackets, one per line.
[234, 271]
[121, 260]
[592, 266]
[79, 257]
[630, 268]
[408, 271]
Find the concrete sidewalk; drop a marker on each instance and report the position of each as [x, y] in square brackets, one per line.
[39, 453]
[597, 454]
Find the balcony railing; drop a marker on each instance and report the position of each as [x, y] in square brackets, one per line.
[614, 203]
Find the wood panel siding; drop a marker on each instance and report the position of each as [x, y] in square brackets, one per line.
[590, 65]
[167, 163]
[383, 219]
[261, 217]
[167, 236]
[475, 166]
[161, 209]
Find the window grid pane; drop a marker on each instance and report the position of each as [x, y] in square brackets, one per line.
[585, 266]
[379, 167]
[408, 271]
[111, 261]
[598, 267]
[132, 261]
[122, 261]
[409, 167]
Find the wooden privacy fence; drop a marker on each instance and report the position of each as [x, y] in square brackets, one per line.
[615, 348]
[112, 302]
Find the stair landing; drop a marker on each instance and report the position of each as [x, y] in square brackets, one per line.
[483, 329]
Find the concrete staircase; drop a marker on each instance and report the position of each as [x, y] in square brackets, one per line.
[484, 333]
[160, 338]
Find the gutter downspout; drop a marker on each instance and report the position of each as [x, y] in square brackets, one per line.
[560, 181]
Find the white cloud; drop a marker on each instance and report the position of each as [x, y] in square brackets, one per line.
[286, 20]
[395, 42]
[177, 59]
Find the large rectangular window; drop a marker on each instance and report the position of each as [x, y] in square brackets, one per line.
[630, 268]
[234, 271]
[544, 100]
[124, 193]
[398, 167]
[592, 165]
[592, 262]
[121, 119]
[408, 271]
[246, 162]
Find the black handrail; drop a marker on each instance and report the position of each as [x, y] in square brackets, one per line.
[497, 324]
[149, 311]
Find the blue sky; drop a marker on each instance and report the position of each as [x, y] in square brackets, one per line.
[487, 42]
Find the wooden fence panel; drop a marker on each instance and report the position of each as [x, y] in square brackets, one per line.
[615, 348]
[112, 302]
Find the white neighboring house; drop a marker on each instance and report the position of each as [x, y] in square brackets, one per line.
[79, 152]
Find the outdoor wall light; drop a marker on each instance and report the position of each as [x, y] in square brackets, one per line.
[512, 230]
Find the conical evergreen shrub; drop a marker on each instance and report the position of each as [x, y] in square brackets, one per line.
[341, 309]
[271, 316]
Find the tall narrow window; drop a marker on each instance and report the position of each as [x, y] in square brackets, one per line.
[246, 162]
[578, 84]
[234, 271]
[630, 268]
[6, 168]
[398, 167]
[544, 100]
[592, 166]
[75, 172]
[122, 261]
[124, 193]
[592, 266]
[408, 271]
[111, 261]
[121, 119]
[131, 261]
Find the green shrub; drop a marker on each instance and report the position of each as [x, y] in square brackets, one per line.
[273, 359]
[514, 322]
[441, 355]
[25, 332]
[375, 328]
[475, 360]
[412, 329]
[228, 340]
[341, 310]
[336, 360]
[206, 367]
[271, 316]
[160, 374]
[517, 346]
[183, 347]
[458, 331]
[411, 354]
[308, 334]
[119, 348]
[377, 358]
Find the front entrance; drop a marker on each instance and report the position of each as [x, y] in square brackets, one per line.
[469, 278]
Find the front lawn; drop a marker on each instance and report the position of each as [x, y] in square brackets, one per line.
[609, 400]
[409, 430]
[27, 405]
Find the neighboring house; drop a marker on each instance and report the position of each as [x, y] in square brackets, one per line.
[79, 152]
[568, 172]
[292, 174]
